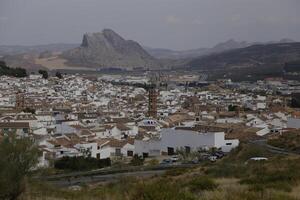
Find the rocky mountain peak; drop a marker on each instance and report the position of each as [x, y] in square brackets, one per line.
[108, 49]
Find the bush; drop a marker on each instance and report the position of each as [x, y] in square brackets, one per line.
[161, 189]
[289, 141]
[16, 72]
[137, 160]
[281, 174]
[58, 75]
[176, 172]
[202, 183]
[44, 73]
[227, 170]
[81, 163]
[153, 162]
[29, 110]
[18, 156]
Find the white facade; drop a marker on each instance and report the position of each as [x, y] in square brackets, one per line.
[172, 139]
[293, 123]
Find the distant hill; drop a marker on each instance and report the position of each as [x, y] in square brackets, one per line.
[107, 49]
[19, 49]
[255, 60]
[231, 44]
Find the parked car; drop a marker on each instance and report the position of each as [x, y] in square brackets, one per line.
[254, 159]
[166, 162]
[213, 158]
[194, 161]
[219, 154]
[174, 158]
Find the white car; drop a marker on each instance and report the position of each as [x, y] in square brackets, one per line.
[174, 158]
[257, 159]
[213, 158]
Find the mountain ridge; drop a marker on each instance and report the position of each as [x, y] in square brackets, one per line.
[163, 53]
[108, 49]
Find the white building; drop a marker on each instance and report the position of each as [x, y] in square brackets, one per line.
[191, 140]
[293, 123]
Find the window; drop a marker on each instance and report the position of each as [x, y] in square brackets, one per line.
[129, 153]
[118, 152]
[228, 143]
[170, 151]
[187, 149]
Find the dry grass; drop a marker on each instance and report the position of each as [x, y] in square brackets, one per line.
[55, 62]
[296, 192]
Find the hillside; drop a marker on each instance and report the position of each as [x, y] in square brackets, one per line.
[19, 49]
[231, 44]
[194, 53]
[256, 60]
[109, 50]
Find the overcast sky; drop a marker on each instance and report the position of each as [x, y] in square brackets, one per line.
[176, 24]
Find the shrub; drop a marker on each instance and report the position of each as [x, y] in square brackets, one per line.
[44, 73]
[137, 160]
[161, 189]
[202, 183]
[176, 172]
[81, 163]
[16, 72]
[18, 156]
[153, 162]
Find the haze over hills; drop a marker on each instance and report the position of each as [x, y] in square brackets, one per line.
[256, 60]
[108, 50]
[20, 49]
[162, 53]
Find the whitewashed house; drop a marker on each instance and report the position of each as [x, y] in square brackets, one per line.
[174, 138]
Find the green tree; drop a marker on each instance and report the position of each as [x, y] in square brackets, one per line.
[18, 156]
[58, 75]
[29, 110]
[44, 73]
[7, 71]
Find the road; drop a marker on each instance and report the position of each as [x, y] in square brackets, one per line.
[108, 175]
[272, 148]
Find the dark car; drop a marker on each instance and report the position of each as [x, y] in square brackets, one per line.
[166, 162]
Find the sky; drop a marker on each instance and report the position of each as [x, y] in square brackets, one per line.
[173, 24]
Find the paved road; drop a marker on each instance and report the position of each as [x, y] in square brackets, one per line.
[108, 175]
[272, 148]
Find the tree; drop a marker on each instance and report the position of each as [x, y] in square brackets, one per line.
[58, 75]
[29, 110]
[232, 108]
[18, 156]
[7, 71]
[44, 73]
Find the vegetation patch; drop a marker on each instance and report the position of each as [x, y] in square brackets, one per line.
[199, 184]
[288, 140]
[81, 163]
[7, 71]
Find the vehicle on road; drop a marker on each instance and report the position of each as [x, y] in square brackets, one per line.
[174, 158]
[254, 159]
[213, 158]
[166, 162]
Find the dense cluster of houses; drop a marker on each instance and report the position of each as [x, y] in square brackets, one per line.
[79, 115]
